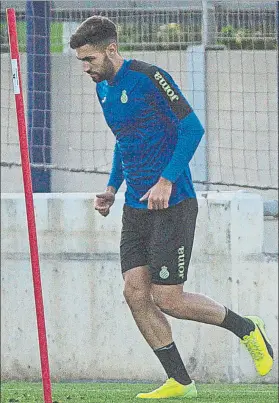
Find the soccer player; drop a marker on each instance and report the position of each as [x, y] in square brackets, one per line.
[157, 133]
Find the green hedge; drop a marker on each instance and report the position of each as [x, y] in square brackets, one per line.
[56, 37]
[167, 36]
[245, 39]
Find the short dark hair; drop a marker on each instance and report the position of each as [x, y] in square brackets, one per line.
[96, 31]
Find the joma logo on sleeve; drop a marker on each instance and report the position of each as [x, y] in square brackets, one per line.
[166, 87]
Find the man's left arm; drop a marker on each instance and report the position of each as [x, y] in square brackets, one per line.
[166, 95]
[190, 132]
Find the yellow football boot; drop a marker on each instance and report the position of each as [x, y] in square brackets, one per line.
[171, 389]
[259, 346]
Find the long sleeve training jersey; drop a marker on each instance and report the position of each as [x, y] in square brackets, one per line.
[156, 131]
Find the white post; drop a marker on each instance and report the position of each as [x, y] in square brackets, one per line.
[208, 23]
[196, 95]
[204, 22]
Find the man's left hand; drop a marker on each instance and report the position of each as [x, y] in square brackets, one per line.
[159, 195]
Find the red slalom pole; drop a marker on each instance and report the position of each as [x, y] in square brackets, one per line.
[26, 172]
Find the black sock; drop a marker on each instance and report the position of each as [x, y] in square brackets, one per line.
[173, 364]
[237, 324]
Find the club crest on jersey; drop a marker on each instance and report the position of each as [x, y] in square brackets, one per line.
[166, 87]
[124, 97]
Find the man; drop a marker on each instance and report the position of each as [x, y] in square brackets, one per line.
[156, 133]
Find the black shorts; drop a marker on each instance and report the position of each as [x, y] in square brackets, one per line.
[160, 239]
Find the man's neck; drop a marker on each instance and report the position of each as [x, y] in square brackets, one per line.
[117, 64]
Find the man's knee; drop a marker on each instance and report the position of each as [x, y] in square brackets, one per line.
[135, 296]
[165, 302]
[167, 297]
[137, 288]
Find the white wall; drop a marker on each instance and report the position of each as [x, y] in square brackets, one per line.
[90, 331]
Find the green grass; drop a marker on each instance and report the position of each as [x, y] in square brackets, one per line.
[23, 392]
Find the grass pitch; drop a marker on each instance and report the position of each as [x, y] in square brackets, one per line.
[26, 392]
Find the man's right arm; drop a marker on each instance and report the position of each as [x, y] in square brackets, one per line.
[105, 200]
[116, 176]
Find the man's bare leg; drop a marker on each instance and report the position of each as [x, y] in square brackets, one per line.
[153, 324]
[172, 300]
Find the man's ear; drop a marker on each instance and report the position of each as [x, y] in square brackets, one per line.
[111, 49]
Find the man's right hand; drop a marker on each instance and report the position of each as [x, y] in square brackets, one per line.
[104, 201]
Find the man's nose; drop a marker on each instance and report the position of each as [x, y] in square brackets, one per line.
[86, 67]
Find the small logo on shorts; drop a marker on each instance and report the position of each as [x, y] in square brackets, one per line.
[164, 273]
[181, 262]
